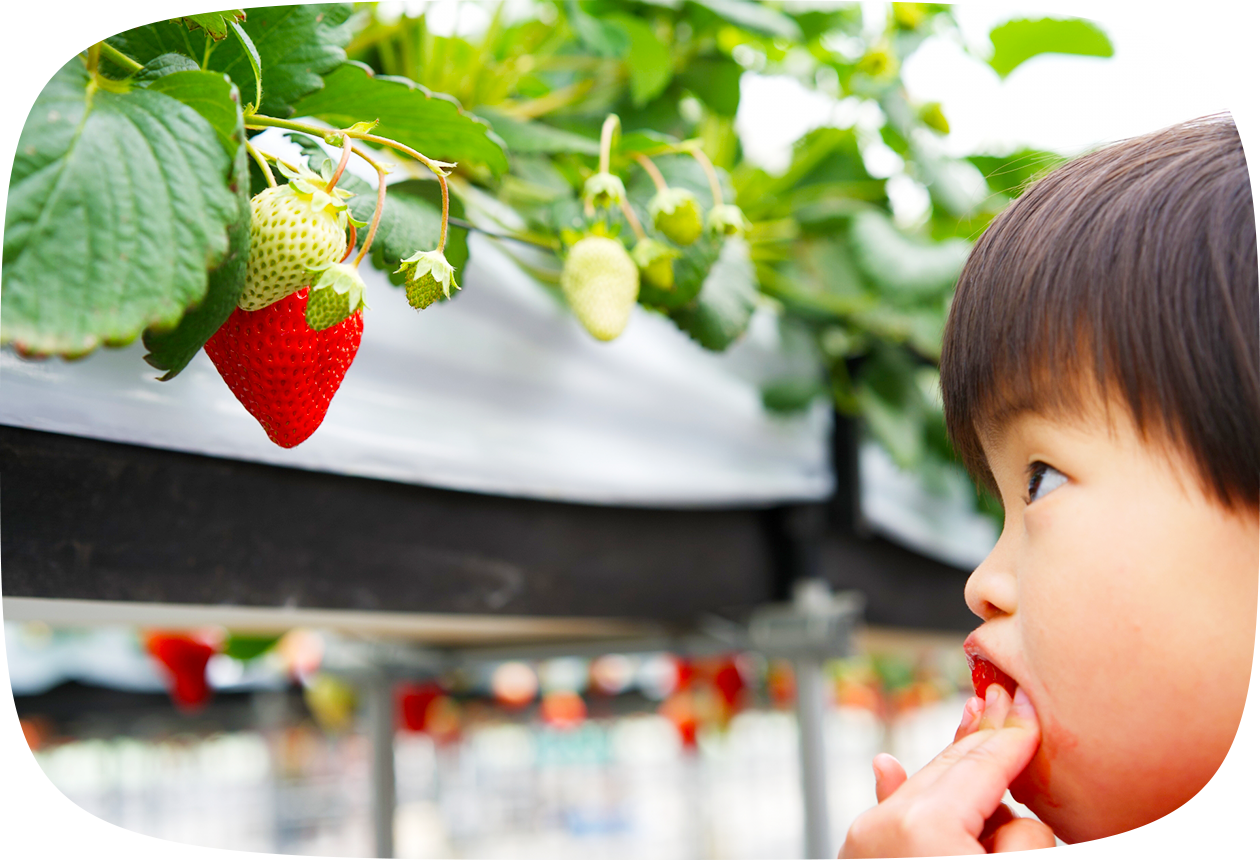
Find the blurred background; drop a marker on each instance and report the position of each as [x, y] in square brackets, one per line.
[526, 595]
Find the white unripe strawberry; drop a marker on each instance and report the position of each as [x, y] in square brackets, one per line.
[601, 284]
[293, 228]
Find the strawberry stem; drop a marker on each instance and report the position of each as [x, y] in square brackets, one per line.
[612, 124]
[652, 170]
[446, 212]
[118, 58]
[341, 165]
[633, 219]
[354, 237]
[714, 186]
[376, 216]
[262, 164]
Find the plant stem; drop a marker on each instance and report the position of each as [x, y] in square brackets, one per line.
[341, 165]
[652, 170]
[611, 125]
[439, 168]
[526, 238]
[376, 216]
[262, 164]
[107, 50]
[96, 39]
[714, 186]
[354, 237]
[633, 219]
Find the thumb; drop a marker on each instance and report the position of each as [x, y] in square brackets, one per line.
[1022, 834]
[889, 776]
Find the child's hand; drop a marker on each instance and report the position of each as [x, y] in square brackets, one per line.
[954, 805]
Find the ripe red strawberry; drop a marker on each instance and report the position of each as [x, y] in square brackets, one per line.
[281, 370]
[984, 674]
[185, 658]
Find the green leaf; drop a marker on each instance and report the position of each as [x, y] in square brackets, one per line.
[1020, 40]
[211, 95]
[715, 81]
[603, 39]
[725, 305]
[431, 123]
[900, 265]
[245, 647]
[792, 394]
[214, 16]
[526, 136]
[255, 61]
[648, 60]
[118, 204]
[296, 45]
[163, 65]
[754, 17]
[171, 350]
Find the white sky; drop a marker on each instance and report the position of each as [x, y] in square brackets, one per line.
[1170, 64]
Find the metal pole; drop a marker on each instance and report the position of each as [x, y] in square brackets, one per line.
[809, 716]
[380, 719]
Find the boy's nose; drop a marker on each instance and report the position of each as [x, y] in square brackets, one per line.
[991, 589]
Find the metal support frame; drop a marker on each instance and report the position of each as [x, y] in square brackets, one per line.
[817, 625]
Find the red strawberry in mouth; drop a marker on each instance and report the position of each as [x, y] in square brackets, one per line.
[984, 672]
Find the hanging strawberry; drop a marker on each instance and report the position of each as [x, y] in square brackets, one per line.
[293, 227]
[601, 284]
[281, 370]
[184, 658]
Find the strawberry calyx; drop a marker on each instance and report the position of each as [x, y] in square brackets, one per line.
[727, 219]
[667, 200]
[603, 189]
[430, 264]
[311, 187]
[656, 262]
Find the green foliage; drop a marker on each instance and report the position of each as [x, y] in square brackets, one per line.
[214, 16]
[1018, 41]
[118, 203]
[296, 45]
[432, 123]
[172, 350]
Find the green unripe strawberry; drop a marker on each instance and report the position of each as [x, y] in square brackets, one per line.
[603, 190]
[336, 294]
[293, 227]
[429, 278]
[676, 213]
[601, 283]
[727, 220]
[656, 263]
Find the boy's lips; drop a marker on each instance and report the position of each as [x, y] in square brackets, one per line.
[984, 672]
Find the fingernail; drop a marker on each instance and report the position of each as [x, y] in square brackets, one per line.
[992, 695]
[971, 712]
[1022, 704]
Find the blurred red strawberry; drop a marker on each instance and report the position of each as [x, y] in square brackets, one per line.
[185, 659]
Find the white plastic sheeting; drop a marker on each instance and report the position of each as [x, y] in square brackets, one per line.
[499, 391]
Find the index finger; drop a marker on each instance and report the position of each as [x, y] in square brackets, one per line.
[976, 782]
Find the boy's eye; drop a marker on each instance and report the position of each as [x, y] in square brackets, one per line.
[1042, 479]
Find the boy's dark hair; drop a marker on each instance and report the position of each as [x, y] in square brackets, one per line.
[1133, 267]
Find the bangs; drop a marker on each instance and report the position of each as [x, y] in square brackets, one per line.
[1131, 273]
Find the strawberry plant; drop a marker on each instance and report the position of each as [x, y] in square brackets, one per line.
[146, 202]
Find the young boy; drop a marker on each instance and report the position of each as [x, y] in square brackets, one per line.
[1101, 373]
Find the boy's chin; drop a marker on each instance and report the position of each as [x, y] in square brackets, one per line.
[1054, 806]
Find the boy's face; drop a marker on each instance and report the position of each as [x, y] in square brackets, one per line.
[1123, 601]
